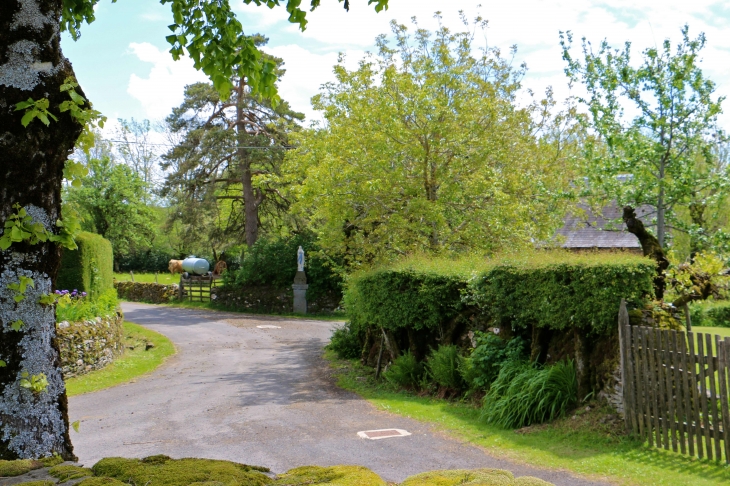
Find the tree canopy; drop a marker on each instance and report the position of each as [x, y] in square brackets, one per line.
[424, 149]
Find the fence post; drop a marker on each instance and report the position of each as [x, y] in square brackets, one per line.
[623, 321]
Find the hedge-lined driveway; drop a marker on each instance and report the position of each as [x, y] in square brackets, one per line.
[259, 396]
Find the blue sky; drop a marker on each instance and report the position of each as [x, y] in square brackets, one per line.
[122, 63]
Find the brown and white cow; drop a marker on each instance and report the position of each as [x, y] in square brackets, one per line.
[175, 266]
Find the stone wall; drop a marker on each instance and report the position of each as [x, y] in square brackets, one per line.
[146, 292]
[89, 345]
[270, 300]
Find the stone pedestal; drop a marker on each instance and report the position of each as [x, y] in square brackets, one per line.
[300, 293]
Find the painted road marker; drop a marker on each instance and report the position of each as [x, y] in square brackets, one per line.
[383, 433]
[268, 326]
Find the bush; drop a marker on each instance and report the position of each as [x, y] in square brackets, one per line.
[711, 313]
[89, 267]
[524, 394]
[150, 260]
[405, 371]
[443, 367]
[490, 353]
[85, 308]
[345, 342]
[273, 263]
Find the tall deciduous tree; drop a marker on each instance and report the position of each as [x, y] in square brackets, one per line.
[42, 115]
[424, 149]
[228, 157]
[655, 121]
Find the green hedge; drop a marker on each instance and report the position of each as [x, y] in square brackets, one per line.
[88, 268]
[711, 313]
[555, 290]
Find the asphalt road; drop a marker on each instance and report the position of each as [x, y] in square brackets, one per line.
[259, 396]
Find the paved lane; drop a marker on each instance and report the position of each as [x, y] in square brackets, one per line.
[258, 396]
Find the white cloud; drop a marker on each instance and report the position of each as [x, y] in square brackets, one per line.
[163, 88]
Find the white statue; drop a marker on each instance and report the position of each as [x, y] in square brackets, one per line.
[300, 260]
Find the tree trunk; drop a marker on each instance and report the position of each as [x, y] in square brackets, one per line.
[32, 66]
[660, 210]
[649, 246]
[250, 203]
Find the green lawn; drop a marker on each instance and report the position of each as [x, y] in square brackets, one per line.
[134, 363]
[582, 444]
[162, 277]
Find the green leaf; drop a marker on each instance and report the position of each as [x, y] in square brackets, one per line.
[75, 426]
[17, 325]
[3, 364]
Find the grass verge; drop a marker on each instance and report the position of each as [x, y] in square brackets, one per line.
[588, 445]
[134, 363]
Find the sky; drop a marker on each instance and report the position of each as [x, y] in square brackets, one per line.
[122, 63]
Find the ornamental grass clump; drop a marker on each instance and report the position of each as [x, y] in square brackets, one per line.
[524, 394]
[405, 371]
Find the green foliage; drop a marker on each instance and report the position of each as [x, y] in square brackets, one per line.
[83, 113]
[21, 287]
[345, 341]
[111, 200]
[413, 153]
[443, 367]
[75, 310]
[35, 383]
[667, 147]
[88, 268]
[548, 289]
[273, 262]
[35, 109]
[405, 371]
[525, 394]
[20, 227]
[490, 353]
[711, 313]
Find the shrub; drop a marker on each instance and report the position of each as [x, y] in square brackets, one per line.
[345, 342]
[490, 353]
[711, 313]
[273, 262]
[525, 394]
[148, 260]
[84, 308]
[405, 371]
[89, 267]
[443, 367]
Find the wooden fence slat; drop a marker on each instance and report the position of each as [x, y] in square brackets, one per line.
[629, 383]
[663, 393]
[671, 392]
[648, 395]
[679, 391]
[701, 360]
[692, 374]
[638, 376]
[713, 416]
[654, 386]
[722, 385]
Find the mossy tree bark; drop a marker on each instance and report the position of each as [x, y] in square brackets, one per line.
[32, 424]
[649, 246]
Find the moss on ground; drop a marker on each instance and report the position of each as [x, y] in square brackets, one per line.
[64, 473]
[333, 475]
[164, 471]
[161, 470]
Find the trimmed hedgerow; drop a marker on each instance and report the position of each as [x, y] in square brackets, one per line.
[88, 268]
[555, 290]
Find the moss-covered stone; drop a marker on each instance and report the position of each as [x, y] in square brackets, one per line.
[485, 477]
[164, 471]
[101, 482]
[530, 481]
[18, 467]
[89, 345]
[334, 475]
[51, 461]
[38, 483]
[64, 473]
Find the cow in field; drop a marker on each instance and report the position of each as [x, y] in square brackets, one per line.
[220, 267]
[175, 266]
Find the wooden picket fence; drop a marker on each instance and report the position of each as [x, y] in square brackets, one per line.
[675, 389]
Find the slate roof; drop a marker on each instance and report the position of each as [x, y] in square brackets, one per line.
[588, 230]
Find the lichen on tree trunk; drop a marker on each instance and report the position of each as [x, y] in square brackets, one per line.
[649, 246]
[32, 66]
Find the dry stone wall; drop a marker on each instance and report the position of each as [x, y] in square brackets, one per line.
[89, 345]
[146, 292]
